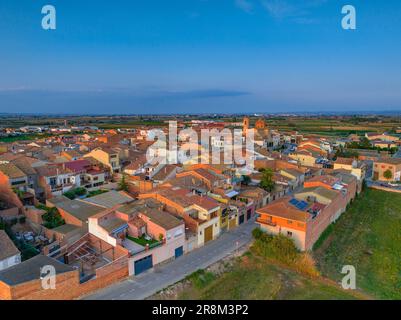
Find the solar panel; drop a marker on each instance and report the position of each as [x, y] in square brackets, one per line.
[302, 205]
[294, 201]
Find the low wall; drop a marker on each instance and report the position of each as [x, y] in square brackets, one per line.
[385, 189]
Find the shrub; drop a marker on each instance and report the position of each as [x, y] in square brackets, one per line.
[283, 250]
[52, 218]
[70, 195]
[201, 278]
[73, 193]
[81, 191]
[257, 233]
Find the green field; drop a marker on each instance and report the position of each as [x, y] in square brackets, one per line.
[367, 236]
[252, 277]
[24, 137]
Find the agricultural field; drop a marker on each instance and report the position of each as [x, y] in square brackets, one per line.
[333, 127]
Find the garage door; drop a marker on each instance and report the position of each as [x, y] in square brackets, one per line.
[179, 252]
[241, 219]
[209, 233]
[143, 264]
[232, 223]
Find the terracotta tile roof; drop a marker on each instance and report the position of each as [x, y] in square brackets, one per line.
[12, 171]
[326, 179]
[347, 161]
[282, 208]
[185, 198]
[204, 202]
[77, 165]
[7, 247]
[253, 192]
[164, 172]
[321, 191]
[52, 170]
[163, 219]
[25, 165]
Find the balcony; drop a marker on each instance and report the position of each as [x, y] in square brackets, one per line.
[266, 221]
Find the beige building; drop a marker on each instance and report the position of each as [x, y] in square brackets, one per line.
[108, 156]
[356, 168]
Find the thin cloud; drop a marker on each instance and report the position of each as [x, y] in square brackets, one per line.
[298, 11]
[22, 88]
[244, 5]
[280, 9]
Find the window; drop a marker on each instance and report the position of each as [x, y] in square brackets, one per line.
[289, 233]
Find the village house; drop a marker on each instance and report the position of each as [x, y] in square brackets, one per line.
[149, 233]
[11, 175]
[355, 167]
[387, 169]
[307, 213]
[108, 156]
[9, 254]
[200, 213]
[56, 179]
[372, 136]
[307, 157]
[24, 280]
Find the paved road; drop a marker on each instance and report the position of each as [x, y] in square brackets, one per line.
[148, 283]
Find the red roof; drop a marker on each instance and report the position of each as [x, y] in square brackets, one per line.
[78, 165]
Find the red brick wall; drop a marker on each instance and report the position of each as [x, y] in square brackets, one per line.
[67, 287]
[323, 220]
[70, 219]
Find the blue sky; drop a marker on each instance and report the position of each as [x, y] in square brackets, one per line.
[190, 56]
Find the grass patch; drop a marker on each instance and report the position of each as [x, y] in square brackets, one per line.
[142, 241]
[368, 237]
[201, 278]
[252, 277]
[52, 218]
[23, 137]
[73, 193]
[273, 269]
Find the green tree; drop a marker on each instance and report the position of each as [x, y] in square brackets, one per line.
[388, 174]
[123, 185]
[246, 179]
[52, 218]
[267, 182]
